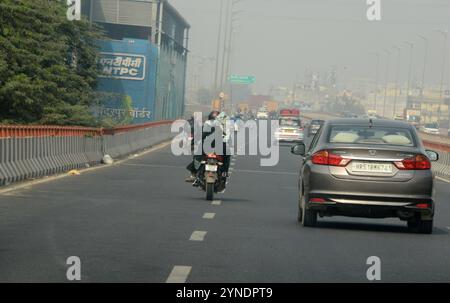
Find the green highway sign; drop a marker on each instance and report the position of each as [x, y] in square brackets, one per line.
[235, 79]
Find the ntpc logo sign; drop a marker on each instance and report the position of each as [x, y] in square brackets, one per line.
[122, 66]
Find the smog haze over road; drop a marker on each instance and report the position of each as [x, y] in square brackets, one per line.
[276, 40]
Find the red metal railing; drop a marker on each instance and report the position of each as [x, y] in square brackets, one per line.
[11, 131]
[8, 131]
[436, 145]
[128, 128]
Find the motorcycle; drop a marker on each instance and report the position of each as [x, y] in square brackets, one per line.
[209, 176]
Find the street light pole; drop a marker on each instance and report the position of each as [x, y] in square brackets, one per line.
[219, 38]
[425, 40]
[227, 21]
[388, 55]
[441, 91]
[411, 49]
[445, 34]
[376, 80]
[229, 45]
[396, 80]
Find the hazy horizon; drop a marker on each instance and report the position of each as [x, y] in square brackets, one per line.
[276, 40]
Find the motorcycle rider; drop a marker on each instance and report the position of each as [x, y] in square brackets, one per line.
[191, 166]
[216, 121]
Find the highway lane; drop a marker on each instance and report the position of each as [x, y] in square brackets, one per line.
[138, 221]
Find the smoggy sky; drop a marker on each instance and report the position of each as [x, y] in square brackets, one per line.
[277, 39]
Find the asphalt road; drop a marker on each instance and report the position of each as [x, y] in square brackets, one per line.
[139, 222]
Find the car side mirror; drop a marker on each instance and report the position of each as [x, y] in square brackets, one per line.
[432, 155]
[299, 149]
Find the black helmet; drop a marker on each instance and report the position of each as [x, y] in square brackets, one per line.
[213, 115]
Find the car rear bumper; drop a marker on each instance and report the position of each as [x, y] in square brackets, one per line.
[373, 210]
[419, 189]
[289, 138]
[373, 199]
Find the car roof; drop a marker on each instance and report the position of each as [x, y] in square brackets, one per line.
[375, 122]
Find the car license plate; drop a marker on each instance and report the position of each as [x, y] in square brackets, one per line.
[367, 167]
[288, 130]
[211, 168]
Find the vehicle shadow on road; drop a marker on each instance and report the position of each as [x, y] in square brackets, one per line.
[357, 226]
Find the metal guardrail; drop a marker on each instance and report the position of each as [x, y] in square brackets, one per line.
[442, 167]
[33, 152]
[13, 131]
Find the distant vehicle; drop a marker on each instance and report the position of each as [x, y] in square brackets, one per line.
[398, 118]
[244, 107]
[271, 106]
[273, 115]
[372, 113]
[431, 128]
[377, 169]
[262, 115]
[290, 130]
[348, 115]
[305, 107]
[290, 113]
[314, 127]
[412, 116]
[216, 105]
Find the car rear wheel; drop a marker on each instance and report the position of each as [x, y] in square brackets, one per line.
[300, 212]
[309, 217]
[421, 226]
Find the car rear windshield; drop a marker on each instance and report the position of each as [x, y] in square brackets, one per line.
[377, 135]
[431, 125]
[317, 122]
[290, 122]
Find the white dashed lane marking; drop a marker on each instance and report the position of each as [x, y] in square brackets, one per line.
[216, 202]
[179, 274]
[198, 236]
[209, 216]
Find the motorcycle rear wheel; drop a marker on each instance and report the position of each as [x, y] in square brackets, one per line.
[209, 191]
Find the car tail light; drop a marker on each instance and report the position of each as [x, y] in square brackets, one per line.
[317, 200]
[324, 157]
[419, 162]
[422, 205]
[320, 158]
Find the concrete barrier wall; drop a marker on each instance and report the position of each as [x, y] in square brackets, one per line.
[23, 158]
[442, 167]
